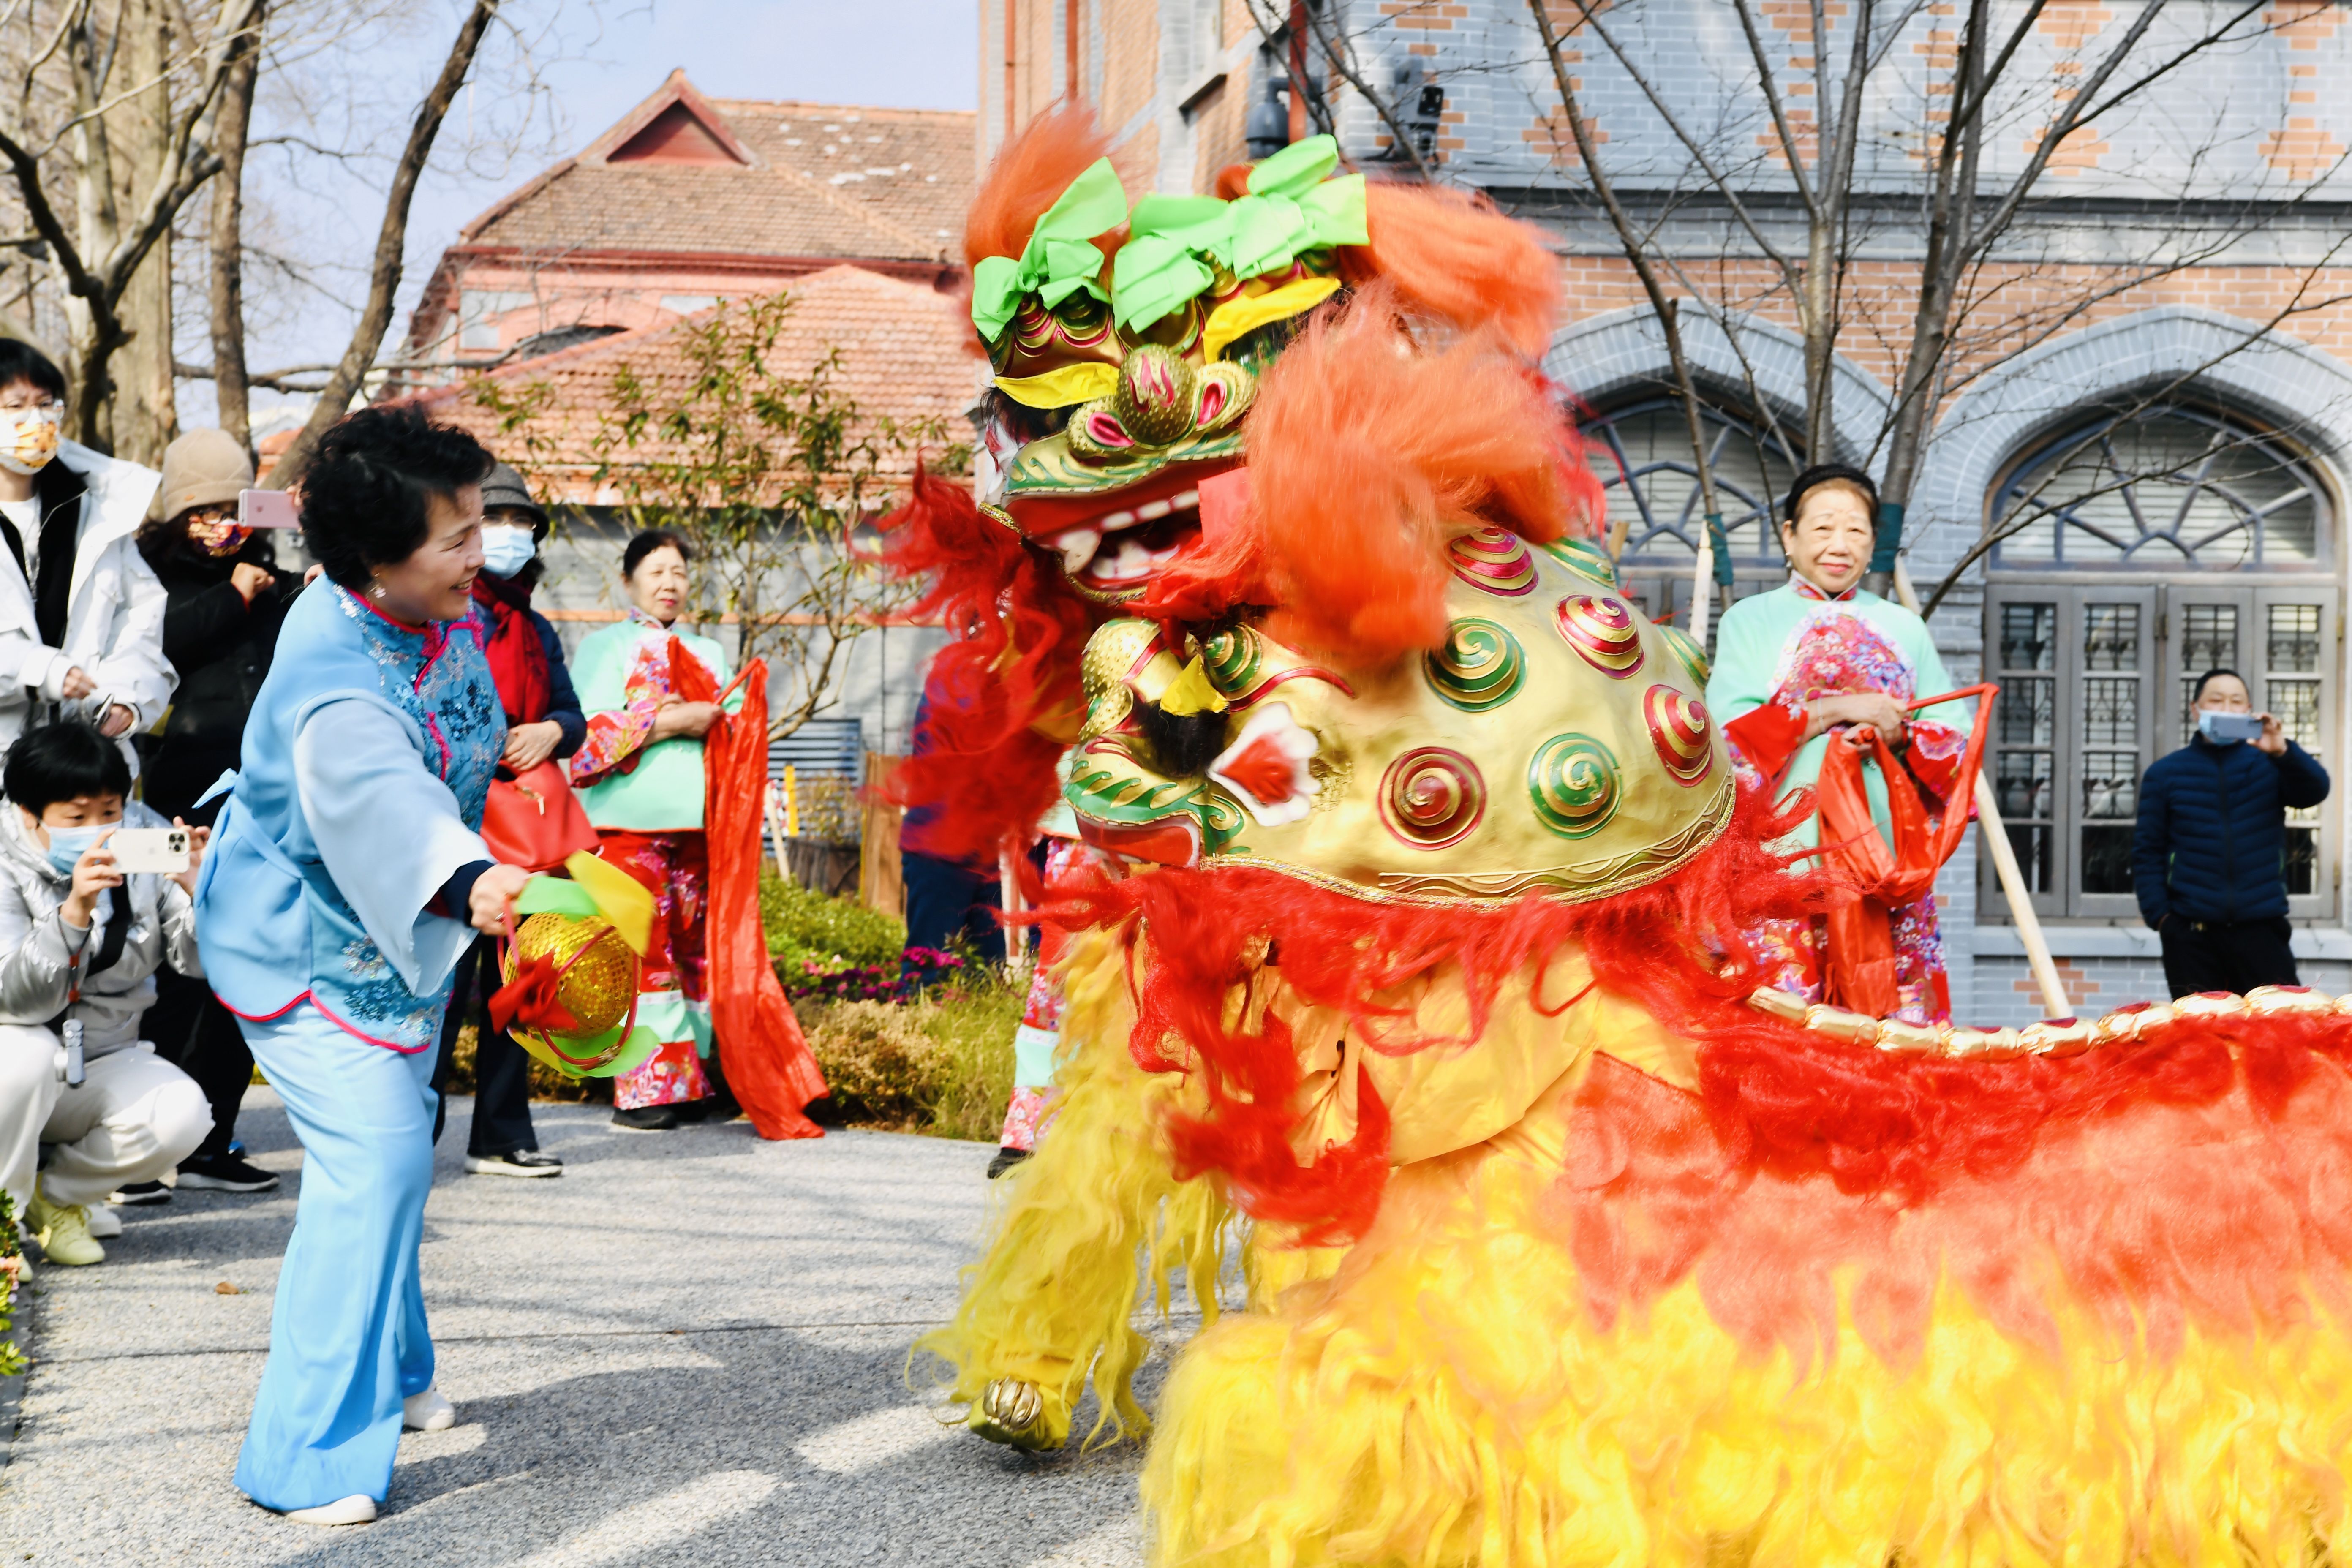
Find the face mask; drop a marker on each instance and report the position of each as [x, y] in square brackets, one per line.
[67, 845]
[218, 539]
[28, 439]
[505, 549]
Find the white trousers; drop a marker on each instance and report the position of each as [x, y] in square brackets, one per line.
[133, 1117]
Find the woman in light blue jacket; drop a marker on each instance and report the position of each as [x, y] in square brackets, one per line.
[345, 873]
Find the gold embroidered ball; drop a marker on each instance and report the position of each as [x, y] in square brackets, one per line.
[598, 971]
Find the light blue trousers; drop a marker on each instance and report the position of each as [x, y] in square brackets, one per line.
[347, 1336]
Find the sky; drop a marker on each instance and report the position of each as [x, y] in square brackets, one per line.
[548, 83]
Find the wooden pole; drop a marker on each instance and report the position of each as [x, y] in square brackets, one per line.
[1702, 585]
[2004, 862]
[776, 834]
[1016, 937]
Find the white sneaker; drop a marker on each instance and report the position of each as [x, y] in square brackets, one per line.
[426, 1412]
[104, 1224]
[356, 1510]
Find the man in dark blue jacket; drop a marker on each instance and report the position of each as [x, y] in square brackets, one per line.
[2209, 855]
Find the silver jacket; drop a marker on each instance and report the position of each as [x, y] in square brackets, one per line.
[38, 950]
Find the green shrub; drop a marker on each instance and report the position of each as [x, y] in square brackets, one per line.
[941, 1065]
[806, 926]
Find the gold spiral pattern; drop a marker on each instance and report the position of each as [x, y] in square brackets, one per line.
[1432, 797]
[1681, 732]
[1575, 785]
[1494, 560]
[1482, 666]
[1604, 631]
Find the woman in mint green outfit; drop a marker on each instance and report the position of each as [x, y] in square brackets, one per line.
[640, 776]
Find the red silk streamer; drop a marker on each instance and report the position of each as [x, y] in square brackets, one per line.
[766, 1059]
[1868, 879]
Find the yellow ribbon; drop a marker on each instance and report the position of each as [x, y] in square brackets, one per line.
[1060, 388]
[1191, 692]
[1238, 318]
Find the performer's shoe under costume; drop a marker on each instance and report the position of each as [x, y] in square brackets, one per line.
[1432, 962]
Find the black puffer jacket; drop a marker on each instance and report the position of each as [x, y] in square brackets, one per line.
[221, 647]
[2211, 840]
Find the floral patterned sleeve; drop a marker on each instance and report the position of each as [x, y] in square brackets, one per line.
[1935, 755]
[1765, 738]
[617, 736]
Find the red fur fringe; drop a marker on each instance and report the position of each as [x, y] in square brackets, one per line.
[1451, 256]
[1676, 946]
[2201, 1178]
[1014, 663]
[1366, 457]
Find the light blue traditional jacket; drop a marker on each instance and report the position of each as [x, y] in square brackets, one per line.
[365, 763]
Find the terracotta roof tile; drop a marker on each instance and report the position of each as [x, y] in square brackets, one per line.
[903, 357]
[828, 180]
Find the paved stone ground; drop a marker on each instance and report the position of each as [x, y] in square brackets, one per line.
[689, 1349]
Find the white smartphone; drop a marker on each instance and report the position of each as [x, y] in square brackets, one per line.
[163, 849]
[267, 508]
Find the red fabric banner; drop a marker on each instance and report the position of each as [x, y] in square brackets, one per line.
[765, 1057]
[1867, 877]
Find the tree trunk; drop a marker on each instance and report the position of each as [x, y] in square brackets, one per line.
[142, 417]
[227, 289]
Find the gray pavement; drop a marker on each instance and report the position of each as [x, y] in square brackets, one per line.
[690, 1348]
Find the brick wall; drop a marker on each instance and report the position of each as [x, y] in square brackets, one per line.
[2004, 992]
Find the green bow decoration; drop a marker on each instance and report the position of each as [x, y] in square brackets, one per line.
[1060, 258]
[1291, 206]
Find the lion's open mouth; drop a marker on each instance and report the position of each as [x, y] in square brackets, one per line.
[1121, 549]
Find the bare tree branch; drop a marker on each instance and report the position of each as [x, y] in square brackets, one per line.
[383, 284]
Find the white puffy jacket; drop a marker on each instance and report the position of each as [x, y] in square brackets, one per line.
[37, 949]
[114, 614]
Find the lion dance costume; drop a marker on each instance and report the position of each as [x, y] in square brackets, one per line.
[1429, 973]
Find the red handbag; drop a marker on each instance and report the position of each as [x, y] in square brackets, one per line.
[534, 821]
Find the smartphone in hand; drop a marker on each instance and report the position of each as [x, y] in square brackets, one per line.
[2221, 727]
[267, 508]
[158, 849]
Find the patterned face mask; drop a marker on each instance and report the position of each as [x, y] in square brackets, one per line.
[219, 537]
[29, 438]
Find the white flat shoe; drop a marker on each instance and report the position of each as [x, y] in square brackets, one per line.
[105, 1224]
[359, 1510]
[426, 1412]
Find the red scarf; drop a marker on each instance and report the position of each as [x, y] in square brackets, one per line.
[1871, 879]
[517, 658]
[760, 1047]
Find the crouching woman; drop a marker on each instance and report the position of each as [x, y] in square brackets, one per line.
[346, 871]
[79, 944]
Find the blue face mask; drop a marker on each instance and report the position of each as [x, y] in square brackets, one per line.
[505, 549]
[67, 845]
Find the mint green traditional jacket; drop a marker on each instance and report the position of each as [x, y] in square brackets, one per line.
[622, 674]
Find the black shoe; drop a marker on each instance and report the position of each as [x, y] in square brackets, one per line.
[648, 1119]
[1006, 1160]
[226, 1173]
[141, 1192]
[521, 1163]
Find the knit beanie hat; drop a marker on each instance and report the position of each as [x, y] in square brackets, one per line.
[505, 487]
[203, 468]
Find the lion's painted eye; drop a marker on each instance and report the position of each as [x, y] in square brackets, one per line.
[1082, 313]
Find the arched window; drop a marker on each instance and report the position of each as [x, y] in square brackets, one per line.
[1641, 454]
[2165, 489]
[2135, 551]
